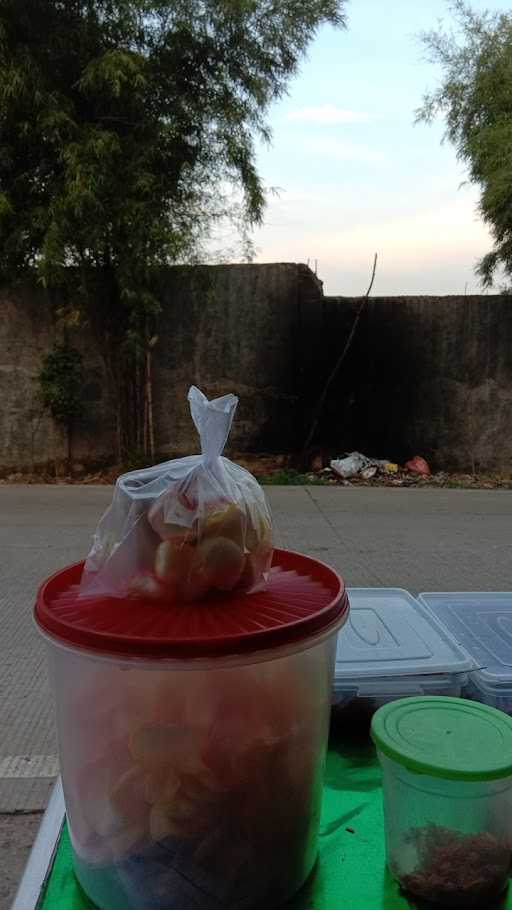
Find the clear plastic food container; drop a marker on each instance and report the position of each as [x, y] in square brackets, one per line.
[447, 788]
[192, 738]
[392, 647]
[482, 622]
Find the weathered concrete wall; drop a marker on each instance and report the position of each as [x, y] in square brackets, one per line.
[424, 375]
[28, 435]
[230, 328]
[224, 328]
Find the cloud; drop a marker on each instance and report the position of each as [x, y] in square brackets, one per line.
[329, 115]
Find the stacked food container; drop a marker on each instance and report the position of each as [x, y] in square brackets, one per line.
[392, 647]
[481, 621]
[446, 762]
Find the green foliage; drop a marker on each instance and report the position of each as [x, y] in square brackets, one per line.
[475, 97]
[291, 478]
[60, 382]
[122, 121]
[127, 131]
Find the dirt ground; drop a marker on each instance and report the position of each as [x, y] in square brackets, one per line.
[279, 470]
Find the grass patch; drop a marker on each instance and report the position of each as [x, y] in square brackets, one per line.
[290, 478]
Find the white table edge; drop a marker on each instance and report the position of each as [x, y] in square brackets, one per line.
[41, 856]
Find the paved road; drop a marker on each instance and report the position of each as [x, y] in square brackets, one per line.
[416, 539]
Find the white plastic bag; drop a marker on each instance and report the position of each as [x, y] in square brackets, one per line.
[350, 465]
[184, 528]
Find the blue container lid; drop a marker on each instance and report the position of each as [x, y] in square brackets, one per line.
[389, 634]
[481, 622]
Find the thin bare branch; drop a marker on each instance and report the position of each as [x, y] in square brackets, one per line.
[337, 366]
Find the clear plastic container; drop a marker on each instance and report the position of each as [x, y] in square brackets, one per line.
[478, 688]
[447, 789]
[196, 781]
[481, 621]
[392, 647]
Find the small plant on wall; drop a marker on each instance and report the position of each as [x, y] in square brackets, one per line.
[60, 381]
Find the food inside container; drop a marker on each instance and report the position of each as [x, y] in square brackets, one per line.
[455, 869]
[392, 647]
[481, 621]
[192, 737]
[447, 789]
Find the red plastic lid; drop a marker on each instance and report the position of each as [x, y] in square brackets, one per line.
[302, 597]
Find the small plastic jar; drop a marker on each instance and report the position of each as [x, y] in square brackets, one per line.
[447, 788]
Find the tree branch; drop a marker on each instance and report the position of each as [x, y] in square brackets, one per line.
[337, 366]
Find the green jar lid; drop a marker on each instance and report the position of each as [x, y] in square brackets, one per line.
[445, 737]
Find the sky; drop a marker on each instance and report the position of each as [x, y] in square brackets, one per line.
[356, 175]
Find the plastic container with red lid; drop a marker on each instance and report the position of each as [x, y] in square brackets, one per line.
[192, 737]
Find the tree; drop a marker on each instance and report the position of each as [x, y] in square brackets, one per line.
[475, 97]
[124, 126]
[60, 381]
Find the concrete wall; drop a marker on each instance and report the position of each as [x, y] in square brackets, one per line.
[28, 435]
[224, 328]
[230, 329]
[424, 375]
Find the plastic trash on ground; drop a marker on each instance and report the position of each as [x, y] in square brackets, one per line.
[351, 465]
[368, 473]
[184, 528]
[389, 467]
[358, 464]
[418, 465]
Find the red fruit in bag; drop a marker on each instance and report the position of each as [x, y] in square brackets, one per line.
[418, 465]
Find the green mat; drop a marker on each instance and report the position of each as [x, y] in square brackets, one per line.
[350, 873]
